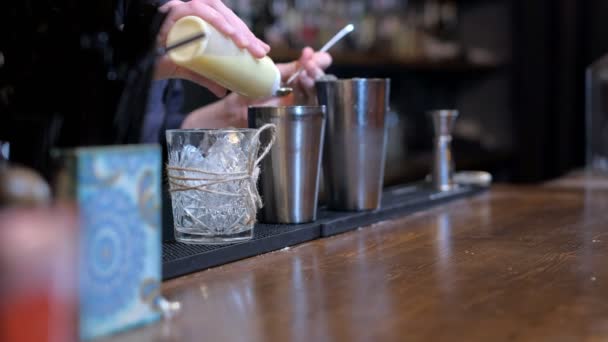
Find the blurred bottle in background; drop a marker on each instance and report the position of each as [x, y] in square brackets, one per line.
[38, 289]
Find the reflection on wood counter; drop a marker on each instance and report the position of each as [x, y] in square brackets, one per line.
[512, 264]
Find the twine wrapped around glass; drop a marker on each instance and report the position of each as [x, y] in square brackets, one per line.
[213, 178]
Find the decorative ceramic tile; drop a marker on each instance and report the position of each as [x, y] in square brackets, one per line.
[118, 193]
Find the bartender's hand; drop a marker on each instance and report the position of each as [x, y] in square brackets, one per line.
[314, 64]
[220, 17]
[232, 110]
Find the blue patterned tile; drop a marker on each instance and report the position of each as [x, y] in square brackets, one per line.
[118, 193]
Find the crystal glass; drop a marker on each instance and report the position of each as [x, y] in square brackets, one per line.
[597, 115]
[212, 176]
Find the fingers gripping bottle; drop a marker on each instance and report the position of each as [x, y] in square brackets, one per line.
[217, 58]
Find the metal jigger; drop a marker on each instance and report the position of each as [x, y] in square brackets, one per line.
[443, 162]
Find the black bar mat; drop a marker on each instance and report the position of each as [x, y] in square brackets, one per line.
[181, 259]
[396, 201]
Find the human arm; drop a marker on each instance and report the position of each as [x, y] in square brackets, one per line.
[231, 111]
[220, 17]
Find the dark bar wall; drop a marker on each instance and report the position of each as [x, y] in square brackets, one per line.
[548, 89]
[554, 42]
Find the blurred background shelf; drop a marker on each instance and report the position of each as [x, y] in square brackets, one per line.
[375, 60]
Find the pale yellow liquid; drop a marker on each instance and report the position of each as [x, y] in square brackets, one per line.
[229, 66]
[244, 74]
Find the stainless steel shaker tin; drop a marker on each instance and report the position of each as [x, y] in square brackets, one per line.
[290, 174]
[355, 141]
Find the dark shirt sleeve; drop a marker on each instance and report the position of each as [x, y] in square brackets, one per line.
[165, 98]
[164, 110]
[174, 99]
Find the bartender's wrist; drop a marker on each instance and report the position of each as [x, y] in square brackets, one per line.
[235, 110]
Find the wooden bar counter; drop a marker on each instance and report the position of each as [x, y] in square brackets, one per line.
[515, 263]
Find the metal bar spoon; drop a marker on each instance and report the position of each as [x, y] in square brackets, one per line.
[285, 90]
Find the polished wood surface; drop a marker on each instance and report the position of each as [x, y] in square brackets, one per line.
[581, 179]
[523, 264]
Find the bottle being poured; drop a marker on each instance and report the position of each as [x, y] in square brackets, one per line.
[217, 58]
